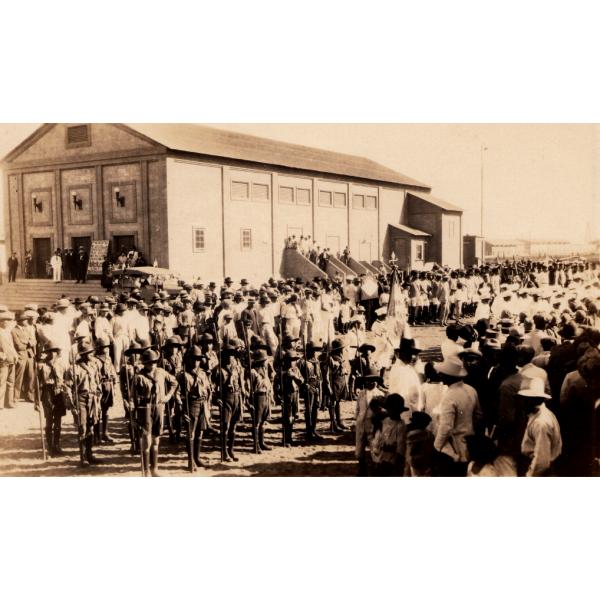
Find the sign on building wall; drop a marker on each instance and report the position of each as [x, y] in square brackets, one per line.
[98, 253]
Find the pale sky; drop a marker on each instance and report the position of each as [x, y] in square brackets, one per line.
[539, 180]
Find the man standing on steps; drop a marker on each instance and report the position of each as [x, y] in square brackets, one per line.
[81, 265]
[13, 265]
[56, 265]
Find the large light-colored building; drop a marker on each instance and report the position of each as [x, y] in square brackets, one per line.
[210, 203]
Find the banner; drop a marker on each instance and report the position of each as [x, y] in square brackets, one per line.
[98, 253]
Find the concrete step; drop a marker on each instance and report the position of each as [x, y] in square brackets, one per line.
[294, 264]
[45, 292]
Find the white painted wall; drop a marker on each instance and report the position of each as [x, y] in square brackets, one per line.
[194, 200]
[391, 205]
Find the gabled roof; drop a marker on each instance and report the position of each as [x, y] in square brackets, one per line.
[437, 202]
[209, 141]
[409, 230]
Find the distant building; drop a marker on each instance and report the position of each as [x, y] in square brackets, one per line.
[534, 248]
[210, 203]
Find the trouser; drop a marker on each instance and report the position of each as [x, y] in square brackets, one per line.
[270, 338]
[87, 421]
[56, 274]
[120, 344]
[292, 328]
[260, 412]
[232, 411]
[81, 275]
[7, 385]
[53, 416]
[311, 412]
[12, 274]
[289, 409]
[24, 378]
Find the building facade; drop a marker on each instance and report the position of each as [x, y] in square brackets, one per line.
[207, 203]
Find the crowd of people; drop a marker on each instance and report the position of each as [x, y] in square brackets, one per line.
[516, 391]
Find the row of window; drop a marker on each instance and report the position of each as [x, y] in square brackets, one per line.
[259, 192]
[199, 239]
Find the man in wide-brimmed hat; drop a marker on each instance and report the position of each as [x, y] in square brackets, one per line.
[370, 388]
[83, 378]
[51, 373]
[460, 414]
[292, 380]
[196, 388]
[542, 443]
[310, 367]
[154, 387]
[336, 384]
[108, 381]
[403, 377]
[24, 341]
[261, 387]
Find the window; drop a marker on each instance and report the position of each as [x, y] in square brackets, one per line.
[371, 202]
[246, 239]
[302, 196]
[286, 195]
[339, 200]
[240, 190]
[366, 202]
[199, 239]
[290, 195]
[260, 192]
[419, 251]
[325, 198]
[78, 135]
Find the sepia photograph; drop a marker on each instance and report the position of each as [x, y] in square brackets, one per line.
[299, 300]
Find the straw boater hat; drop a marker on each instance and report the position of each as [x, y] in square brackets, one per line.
[452, 366]
[6, 316]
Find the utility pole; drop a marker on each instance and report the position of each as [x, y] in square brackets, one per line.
[483, 149]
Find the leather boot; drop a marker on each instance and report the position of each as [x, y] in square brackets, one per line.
[88, 452]
[338, 418]
[190, 452]
[257, 448]
[57, 450]
[261, 439]
[49, 442]
[197, 447]
[105, 437]
[332, 423]
[146, 461]
[154, 460]
[231, 453]
[96, 437]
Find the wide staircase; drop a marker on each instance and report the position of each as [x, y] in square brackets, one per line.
[44, 292]
[294, 264]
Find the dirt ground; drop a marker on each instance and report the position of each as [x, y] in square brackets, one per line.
[21, 455]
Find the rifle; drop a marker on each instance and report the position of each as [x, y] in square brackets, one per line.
[223, 441]
[191, 463]
[280, 352]
[251, 403]
[38, 406]
[76, 412]
[160, 342]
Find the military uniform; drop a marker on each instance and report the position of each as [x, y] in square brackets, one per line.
[153, 388]
[52, 397]
[83, 386]
[234, 390]
[108, 379]
[262, 393]
[311, 370]
[292, 380]
[337, 383]
[197, 387]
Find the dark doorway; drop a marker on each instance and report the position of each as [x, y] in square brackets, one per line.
[122, 242]
[86, 242]
[42, 251]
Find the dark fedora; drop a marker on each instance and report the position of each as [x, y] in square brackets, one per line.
[366, 348]
[408, 346]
